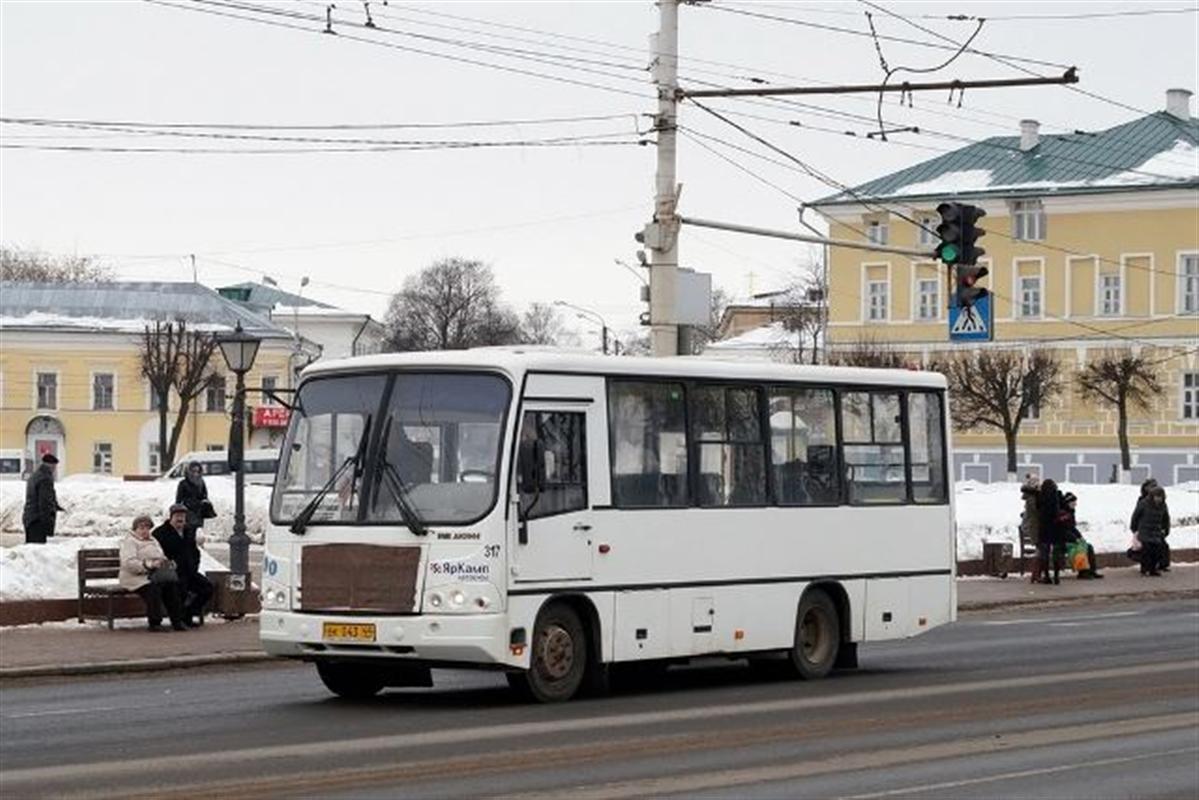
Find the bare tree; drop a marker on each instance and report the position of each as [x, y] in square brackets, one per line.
[450, 305]
[30, 265]
[996, 389]
[868, 351]
[174, 357]
[804, 314]
[542, 324]
[1120, 379]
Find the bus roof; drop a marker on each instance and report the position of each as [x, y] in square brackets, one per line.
[518, 360]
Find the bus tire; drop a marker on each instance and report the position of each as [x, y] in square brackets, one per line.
[817, 636]
[558, 656]
[351, 681]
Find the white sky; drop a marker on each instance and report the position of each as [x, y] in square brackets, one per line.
[549, 220]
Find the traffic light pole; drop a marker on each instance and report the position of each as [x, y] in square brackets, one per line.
[804, 237]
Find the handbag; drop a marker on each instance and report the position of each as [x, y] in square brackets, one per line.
[206, 510]
[164, 574]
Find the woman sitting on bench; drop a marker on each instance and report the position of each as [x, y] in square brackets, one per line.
[145, 569]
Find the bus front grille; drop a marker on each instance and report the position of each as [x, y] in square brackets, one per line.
[359, 578]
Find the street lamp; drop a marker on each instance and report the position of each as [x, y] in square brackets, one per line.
[239, 349]
[592, 315]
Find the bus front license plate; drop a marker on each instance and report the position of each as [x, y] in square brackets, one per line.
[348, 632]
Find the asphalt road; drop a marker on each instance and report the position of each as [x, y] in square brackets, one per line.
[1101, 702]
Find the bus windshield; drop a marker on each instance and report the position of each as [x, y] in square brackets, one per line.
[434, 446]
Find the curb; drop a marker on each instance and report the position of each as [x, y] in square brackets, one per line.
[1160, 594]
[135, 665]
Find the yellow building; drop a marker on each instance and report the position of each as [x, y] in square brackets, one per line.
[71, 382]
[1092, 245]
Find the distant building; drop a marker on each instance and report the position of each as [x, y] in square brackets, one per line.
[338, 333]
[773, 326]
[71, 381]
[1092, 246]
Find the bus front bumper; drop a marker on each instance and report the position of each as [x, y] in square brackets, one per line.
[466, 638]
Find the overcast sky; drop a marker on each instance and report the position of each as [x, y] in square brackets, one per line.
[550, 220]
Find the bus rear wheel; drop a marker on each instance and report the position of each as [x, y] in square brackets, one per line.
[351, 681]
[558, 657]
[817, 636]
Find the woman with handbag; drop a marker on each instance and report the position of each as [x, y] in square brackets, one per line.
[145, 569]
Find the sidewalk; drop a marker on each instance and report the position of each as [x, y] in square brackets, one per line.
[68, 648]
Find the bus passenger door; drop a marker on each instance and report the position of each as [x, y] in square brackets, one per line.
[554, 530]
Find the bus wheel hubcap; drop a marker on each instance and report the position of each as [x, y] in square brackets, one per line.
[814, 637]
[558, 653]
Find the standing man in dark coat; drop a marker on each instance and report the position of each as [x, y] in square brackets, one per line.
[1053, 534]
[41, 502]
[182, 549]
[193, 494]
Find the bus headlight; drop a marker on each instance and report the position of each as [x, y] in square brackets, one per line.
[435, 600]
[471, 598]
[457, 598]
[274, 596]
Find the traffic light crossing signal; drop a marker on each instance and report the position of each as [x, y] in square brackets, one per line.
[966, 289]
[958, 233]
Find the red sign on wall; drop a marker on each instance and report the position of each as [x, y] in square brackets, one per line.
[271, 416]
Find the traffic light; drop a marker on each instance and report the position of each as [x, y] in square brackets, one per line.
[958, 233]
[966, 289]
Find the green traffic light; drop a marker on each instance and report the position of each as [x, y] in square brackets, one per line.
[949, 253]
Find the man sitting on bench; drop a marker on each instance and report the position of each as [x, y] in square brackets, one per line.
[179, 544]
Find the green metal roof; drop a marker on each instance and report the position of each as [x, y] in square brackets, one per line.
[1153, 152]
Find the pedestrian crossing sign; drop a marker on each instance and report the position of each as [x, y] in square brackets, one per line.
[972, 324]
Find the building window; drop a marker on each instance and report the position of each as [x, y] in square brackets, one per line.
[47, 390]
[1028, 220]
[1188, 289]
[1030, 296]
[876, 231]
[1190, 395]
[102, 458]
[103, 385]
[876, 300]
[153, 458]
[152, 397]
[214, 396]
[1032, 413]
[1109, 295]
[269, 384]
[928, 299]
[926, 234]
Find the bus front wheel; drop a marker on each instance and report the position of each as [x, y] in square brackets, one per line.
[351, 681]
[558, 656]
[817, 636]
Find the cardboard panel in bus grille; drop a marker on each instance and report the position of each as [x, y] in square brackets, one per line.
[359, 577]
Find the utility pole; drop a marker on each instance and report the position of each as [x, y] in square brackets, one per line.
[195, 277]
[662, 236]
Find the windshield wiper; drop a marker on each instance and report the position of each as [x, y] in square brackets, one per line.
[306, 513]
[399, 491]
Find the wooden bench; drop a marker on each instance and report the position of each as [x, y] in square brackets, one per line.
[98, 570]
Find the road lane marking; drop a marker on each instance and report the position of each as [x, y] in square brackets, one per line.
[1050, 620]
[60, 711]
[515, 731]
[690, 783]
[1027, 773]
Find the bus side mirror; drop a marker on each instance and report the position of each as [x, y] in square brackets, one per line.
[531, 467]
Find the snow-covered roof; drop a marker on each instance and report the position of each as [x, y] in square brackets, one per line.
[125, 306]
[1158, 151]
[772, 336]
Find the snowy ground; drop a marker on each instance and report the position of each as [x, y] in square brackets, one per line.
[48, 571]
[99, 511]
[105, 506]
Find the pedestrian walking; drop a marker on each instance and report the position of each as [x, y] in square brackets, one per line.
[193, 585]
[145, 569]
[1053, 539]
[1079, 553]
[1151, 522]
[192, 493]
[1030, 525]
[40, 514]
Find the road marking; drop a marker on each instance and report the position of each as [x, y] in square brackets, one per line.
[1027, 773]
[853, 762]
[1049, 620]
[518, 730]
[60, 711]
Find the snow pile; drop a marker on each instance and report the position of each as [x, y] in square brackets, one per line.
[48, 571]
[106, 507]
[991, 512]
[1180, 163]
[41, 319]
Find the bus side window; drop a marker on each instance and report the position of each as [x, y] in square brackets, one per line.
[728, 446]
[926, 442]
[803, 446]
[562, 435]
[873, 439]
[648, 444]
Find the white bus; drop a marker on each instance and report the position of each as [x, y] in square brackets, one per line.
[551, 514]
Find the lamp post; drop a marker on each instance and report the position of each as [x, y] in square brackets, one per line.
[239, 349]
[592, 315]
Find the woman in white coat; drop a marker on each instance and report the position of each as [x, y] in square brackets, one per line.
[141, 557]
